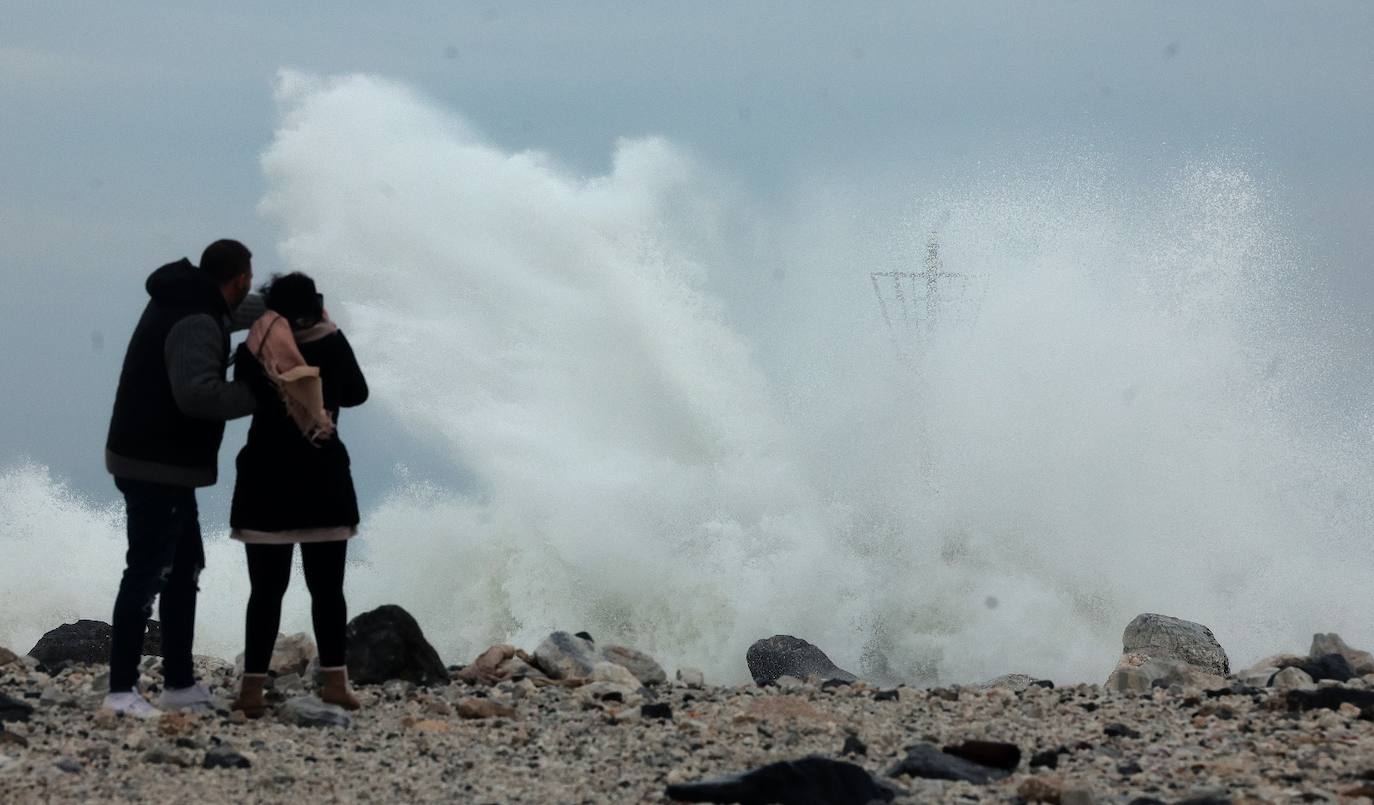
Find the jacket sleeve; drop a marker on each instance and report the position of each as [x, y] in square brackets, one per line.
[249, 310]
[347, 376]
[195, 368]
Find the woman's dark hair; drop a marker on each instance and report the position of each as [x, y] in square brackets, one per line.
[293, 296]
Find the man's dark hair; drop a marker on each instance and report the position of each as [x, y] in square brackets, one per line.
[224, 260]
[293, 296]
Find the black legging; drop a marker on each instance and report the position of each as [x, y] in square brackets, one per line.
[269, 570]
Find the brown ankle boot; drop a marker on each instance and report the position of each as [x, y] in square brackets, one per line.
[251, 700]
[334, 688]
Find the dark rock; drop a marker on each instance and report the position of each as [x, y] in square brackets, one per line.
[386, 644]
[853, 746]
[86, 642]
[1330, 699]
[1129, 769]
[566, 656]
[784, 655]
[1163, 637]
[1119, 731]
[69, 765]
[656, 710]
[809, 781]
[1329, 666]
[12, 709]
[925, 760]
[832, 684]
[223, 757]
[993, 754]
[1048, 758]
[889, 695]
[585, 636]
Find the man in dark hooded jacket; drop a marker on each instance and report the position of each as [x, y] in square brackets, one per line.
[169, 413]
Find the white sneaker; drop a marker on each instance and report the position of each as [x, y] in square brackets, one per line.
[195, 697]
[130, 704]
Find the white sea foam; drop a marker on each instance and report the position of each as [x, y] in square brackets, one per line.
[1139, 419]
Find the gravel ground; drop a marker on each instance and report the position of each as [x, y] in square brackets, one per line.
[569, 745]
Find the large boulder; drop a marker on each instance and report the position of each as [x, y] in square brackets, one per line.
[1160, 637]
[387, 643]
[785, 655]
[645, 668]
[86, 642]
[566, 656]
[1361, 662]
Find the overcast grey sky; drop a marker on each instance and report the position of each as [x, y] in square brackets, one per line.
[132, 131]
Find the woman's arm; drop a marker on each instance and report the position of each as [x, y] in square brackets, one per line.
[345, 374]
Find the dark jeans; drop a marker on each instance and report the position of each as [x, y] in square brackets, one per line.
[164, 561]
[269, 571]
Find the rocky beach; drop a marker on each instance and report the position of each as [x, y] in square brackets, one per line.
[574, 721]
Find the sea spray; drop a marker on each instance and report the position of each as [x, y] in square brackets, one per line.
[1138, 418]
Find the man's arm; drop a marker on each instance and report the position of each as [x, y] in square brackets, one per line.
[249, 310]
[195, 368]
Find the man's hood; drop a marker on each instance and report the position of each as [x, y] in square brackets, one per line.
[181, 284]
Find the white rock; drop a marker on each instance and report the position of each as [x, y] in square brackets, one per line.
[691, 677]
[1290, 678]
[615, 674]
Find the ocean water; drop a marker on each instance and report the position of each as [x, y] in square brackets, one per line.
[1132, 397]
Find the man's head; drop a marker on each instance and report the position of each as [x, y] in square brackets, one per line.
[230, 265]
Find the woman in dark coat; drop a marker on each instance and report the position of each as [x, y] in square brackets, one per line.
[294, 484]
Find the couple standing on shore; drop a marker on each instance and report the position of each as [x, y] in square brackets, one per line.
[292, 374]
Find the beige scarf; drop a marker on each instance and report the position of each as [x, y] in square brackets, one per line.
[275, 346]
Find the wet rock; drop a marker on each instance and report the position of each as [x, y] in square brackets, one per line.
[1330, 698]
[291, 654]
[1118, 730]
[925, 760]
[1016, 683]
[289, 685]
[166, 755]
[785, 655]
[645, 668]
[809, 781]
[853, 746]
[12, 709]
[475, 708]
[1329, 666]
[86, 642]
[1362, 662]
[225, 757]
[1048, 758]
[387, 643]
[566, 656]
[1291, 678]
[308, 711]
[1164, 637]
[993, 754]
[659, 710]
[691, 677]
[68, 765]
